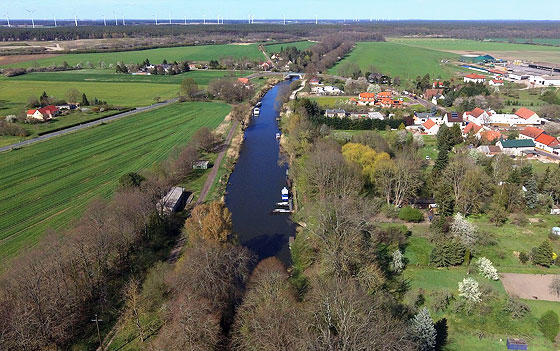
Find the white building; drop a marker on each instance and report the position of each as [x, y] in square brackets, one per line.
[547, 81]
[474, 78]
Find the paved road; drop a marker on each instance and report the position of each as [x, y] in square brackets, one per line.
[86, 125]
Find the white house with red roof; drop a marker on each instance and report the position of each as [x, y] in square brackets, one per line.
[530, 133]
[496, 82]
[523, 117]
[430, 127]
[473, 128]
[478, 116]
[474, 78]
[530, 117]
[44, 113]
[547, 143]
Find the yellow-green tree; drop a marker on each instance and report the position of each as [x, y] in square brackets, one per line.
[364, 156]
[210, 222]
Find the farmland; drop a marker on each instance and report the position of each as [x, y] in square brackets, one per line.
[48, 184]
[500, 50]
[301, 45]
[403, 61]
[191, 53]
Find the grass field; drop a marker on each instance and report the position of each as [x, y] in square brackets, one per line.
[191, 53]
[48, 184]
[555, 42]
[301, 45]
[202, 77]
[404, 61]
[500, 50]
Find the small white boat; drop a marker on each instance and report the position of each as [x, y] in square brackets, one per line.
[259, 104]
[283, 203]
[256, 111]
[277, 135]
[281, 210]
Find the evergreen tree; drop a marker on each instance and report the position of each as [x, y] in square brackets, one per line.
[455, 135]
[443, 137]
[443, 194]
[531, 196]
[542, 254]
[548, 325]
[442, 160]
[423, 330]
[85, 101]
[447, 253]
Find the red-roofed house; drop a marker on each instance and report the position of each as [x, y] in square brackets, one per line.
[472, 128]
[431, 127]
[478, 116]
[314, 81]
[547, 143]
[490, 135]
[431, 94]
[496, 82]
[365, 98]
[243, 80]
[474, 78]
[43, 114]
[437, 84]
[530, 133]
[529, 116]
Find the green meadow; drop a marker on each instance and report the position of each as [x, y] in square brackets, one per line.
[404, 61]
[48, 184]
[190, 53]
[301, 45]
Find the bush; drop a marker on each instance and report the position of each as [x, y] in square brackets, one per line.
[441, 300]
[516, 308]
[542, 254]
[447, 253]
[548, 325]
[410, 214]
[523, 257]
[392, 211]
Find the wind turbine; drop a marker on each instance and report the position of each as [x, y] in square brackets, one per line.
[185, 20]
[169, 18]
[54, 21]
[116, 21]
[204, 19]
[75, 20]
[31, 14]
[249, 19]
[104, 21]
[316, 20]
[155, 18]
[123, 23]
[8, 20]
[284, 19]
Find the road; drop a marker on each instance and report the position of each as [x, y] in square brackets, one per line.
[86, 125]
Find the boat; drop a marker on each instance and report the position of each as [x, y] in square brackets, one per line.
[256, 111]
[283, 203]
[259, 104]
[281, 210]
[277, 135]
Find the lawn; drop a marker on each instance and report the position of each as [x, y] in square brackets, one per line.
[49, 184]
[404, 61]
[190, 53]
[301, 45]
[15, 93]
[555, 42]
[500, 50]
[329, 101]
[201, 77]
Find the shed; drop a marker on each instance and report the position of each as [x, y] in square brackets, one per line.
[201, 165]
[516, 344]
[555, 210]
[173, 201]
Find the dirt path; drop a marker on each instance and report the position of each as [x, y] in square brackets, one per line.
[216, 166]
[529, 286]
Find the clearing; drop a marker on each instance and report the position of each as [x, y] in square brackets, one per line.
[529, 286]
[57, 178]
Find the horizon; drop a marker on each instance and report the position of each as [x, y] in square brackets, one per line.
[329, 10]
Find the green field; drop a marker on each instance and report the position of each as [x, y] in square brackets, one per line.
[190, 53]
[555, 42]
[301, 45]
[48, 184]
[202, 77]
[404, 61]
[500, 50]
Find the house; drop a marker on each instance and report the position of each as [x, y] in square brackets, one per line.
[430, 94]
[201, 164]
[547, 143]
[496, 82]
[244, 81]
[421, 117]
[314, 81]
[490, 135]
[366, 98]
[516, 147]
[173, 201]
[376, 115]
[529, 116]
[530, 133]
[547, 81]
[472, 128]
[452, 118]
[44, 113]
[437, 84]
[474, 78]
[384, 95]
[489, 150]
[430, 127]
[335, 113]
[330, 90]
[478, 116]
[192, 67]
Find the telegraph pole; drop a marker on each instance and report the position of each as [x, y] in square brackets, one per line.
[97, 320]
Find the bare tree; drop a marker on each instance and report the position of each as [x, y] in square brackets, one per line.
[554, 286]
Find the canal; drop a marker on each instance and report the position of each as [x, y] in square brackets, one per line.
[255, 186]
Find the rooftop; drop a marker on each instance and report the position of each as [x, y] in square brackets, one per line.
[517, 143]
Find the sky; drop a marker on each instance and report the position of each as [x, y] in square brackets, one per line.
[294, 9]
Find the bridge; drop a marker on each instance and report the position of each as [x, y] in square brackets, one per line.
[290, 75]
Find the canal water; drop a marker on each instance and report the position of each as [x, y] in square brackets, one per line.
[255, 186]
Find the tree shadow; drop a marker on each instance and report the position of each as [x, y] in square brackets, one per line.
[266, 245]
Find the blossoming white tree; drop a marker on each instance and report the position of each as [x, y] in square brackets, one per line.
[487, 269]
[469, 289]
[464, 230]
[397, 265]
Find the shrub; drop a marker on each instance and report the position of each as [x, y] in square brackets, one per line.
[542, 254]
[523, 257]
[447, 253]
[548, 325]
[470, 290]
[441, 300]
[410, 214]
[392, 211]
[516, 308]
[487, 269]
